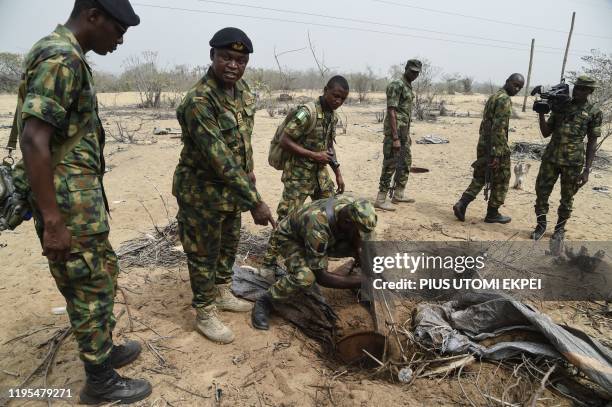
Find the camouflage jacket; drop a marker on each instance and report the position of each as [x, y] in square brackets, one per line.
[309, 228]
[59, 90]
[494, 125]
[569, 126]
[217, 152]
[319, 139]
[400, 96]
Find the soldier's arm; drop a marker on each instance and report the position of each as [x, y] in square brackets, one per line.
[46, 104]
[546, 127]
[499, 127]
[205, 132]
[394, 92]
[593, 133]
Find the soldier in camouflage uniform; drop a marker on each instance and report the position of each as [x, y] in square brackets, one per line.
[493, 153]
[311, 149]
[214, 180]
[62, 142]
[565, 154]
[306, 237]
[397, 141]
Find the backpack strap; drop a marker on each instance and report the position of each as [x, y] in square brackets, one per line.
[330, 213]
[312, 110]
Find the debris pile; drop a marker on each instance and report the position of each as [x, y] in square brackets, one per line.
[163, 248]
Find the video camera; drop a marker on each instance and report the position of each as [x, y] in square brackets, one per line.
[550, 98]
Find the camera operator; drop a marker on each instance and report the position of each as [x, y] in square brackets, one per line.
[565, 154]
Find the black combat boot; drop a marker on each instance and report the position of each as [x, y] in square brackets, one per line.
[122, 355]
[493, 216]
[461, 206]
[540, 228]
[559, 233]
[261, 312]
[104, 385]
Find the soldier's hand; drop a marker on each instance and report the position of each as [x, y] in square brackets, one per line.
[396, 145]
[340, 183]
[56, 240]
[583, 179]
[252, 177]
[322, 157]
[494, 163]
[262, 215]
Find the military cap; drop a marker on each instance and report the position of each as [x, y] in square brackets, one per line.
[414, 65]
[363, 214]
[585, 81]
[232, 38]
[120, 10]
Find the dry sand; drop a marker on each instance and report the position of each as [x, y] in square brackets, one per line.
[279, 367]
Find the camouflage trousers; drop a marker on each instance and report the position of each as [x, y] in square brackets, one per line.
[391, 163]
[210, 241]
[299, 275]
[88, 282]
[500, 180]
[547, 177]
[295, 193]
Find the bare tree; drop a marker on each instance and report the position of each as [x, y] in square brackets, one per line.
[11, 67]
[323, 69]
[286, 78]
[424, 89]
[143, 75]
[467, 82]
[598, 65]
[451, 81]
[362, 83]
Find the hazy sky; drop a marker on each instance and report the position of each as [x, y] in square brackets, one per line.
[388, 32]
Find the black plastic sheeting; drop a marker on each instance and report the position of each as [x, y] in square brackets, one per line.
[456, 327]
[307, 310]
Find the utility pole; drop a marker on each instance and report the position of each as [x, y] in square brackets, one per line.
[569, 39]
[528, 74]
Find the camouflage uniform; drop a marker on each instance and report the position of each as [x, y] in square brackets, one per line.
[305, 239]
[59, 91]
[494, 127]
[399, 96]
[302, 177]
[565, 154]
[210, 182]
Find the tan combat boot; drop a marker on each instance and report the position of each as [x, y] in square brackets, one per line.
[398, 197]
[381, 202]
[226, 301]
[209, 325]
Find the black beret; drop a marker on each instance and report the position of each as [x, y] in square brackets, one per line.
[120, 10]
[232, 38]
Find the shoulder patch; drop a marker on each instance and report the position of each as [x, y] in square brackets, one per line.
[302, 115]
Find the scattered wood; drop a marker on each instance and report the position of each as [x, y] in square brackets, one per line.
[534, 399]
[448, 367]
[193, 393]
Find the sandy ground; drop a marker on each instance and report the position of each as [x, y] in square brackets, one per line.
[279, 367]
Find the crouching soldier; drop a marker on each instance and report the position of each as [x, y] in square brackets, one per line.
[306, 237]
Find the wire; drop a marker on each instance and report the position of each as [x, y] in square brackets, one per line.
[487, 19]
[340, 27]
[354, 20]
